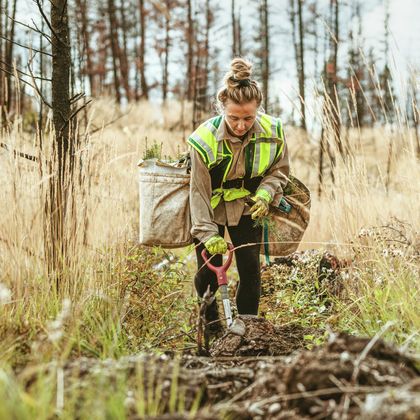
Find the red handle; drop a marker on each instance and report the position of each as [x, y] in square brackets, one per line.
[220, 271]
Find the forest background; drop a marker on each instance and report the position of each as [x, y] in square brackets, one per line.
[73, 282]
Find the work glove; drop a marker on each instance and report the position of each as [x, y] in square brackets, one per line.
[260, 208]
[216, 245]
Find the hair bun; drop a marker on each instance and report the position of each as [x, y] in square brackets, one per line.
[240, 69]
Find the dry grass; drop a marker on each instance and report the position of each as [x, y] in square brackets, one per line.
[364, 193]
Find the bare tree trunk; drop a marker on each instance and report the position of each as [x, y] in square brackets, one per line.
[144, 87]
[114, 47]
[2, 80]
[87, 52]
[239, 29]
[64, 149]
[41, 66]
[9, 57]
[209, 21]
[190, 41]
[234, 44]
[166, 62]
[265, 66]
[301, 69]
[123, 56]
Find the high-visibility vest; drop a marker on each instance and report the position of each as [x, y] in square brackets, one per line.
[261, 152]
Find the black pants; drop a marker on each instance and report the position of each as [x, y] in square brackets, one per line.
[247, 261]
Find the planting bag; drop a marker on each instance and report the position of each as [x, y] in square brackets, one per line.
[165, 209]
[289, 227]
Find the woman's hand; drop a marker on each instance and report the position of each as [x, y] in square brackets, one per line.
[260, 208]
[216, 245]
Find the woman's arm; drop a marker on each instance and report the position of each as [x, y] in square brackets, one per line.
[200, 196]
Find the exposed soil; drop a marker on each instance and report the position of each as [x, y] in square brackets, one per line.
[261, 371]
[262, 338]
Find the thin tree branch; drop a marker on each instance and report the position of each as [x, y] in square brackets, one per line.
[62, 12]
[12, 74]
[77, 97]
[36, 87]
[25, 74]
[24, 46]
[48, 38]
[47, 21]
[30, 27]
[74, 114]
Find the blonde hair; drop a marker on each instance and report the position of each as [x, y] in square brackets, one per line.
[239, 87]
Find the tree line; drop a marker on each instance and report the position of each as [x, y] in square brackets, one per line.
[141, 49]
[69, 51]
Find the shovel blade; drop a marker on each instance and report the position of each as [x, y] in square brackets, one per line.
[227, 311]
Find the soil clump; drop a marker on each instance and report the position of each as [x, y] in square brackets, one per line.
[262, 338]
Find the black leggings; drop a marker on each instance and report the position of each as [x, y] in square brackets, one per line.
[247, 261]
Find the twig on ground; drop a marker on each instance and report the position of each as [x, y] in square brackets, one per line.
[362, 356]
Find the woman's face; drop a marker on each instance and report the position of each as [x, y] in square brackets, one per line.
[239, 118]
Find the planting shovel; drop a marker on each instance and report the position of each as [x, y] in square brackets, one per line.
[222, 280]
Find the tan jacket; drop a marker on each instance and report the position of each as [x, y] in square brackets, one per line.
[204, 218]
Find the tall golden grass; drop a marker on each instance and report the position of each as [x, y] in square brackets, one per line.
[371, 186]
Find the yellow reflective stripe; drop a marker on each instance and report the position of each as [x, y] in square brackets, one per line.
[256, 162]
[230, 161]
[266, 123]
[211, 128]
[195, 136]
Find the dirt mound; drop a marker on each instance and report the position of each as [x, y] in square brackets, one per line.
[260, 337]
[342, 364]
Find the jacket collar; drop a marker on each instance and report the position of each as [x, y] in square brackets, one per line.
[223, 133]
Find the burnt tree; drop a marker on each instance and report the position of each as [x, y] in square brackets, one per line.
[263, 52]
[143, 83]
[9, 58]
[190, 52]
[113, 33]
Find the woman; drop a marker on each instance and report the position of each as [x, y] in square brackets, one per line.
[240, 153]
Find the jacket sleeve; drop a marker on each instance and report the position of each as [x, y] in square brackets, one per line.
[276, 178]
[203, 228]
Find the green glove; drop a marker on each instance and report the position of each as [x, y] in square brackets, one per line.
[260, 208]
[216, 245]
